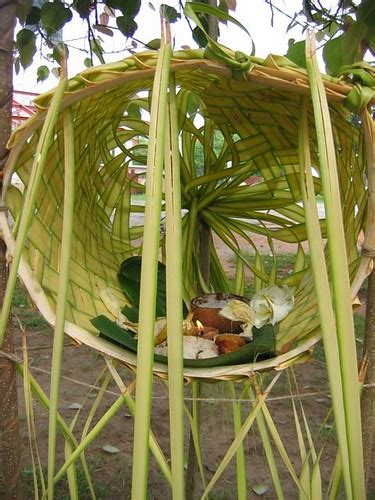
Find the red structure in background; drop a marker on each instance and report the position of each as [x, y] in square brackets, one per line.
[22, 107]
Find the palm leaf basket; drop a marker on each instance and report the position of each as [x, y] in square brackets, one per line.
[256, 113]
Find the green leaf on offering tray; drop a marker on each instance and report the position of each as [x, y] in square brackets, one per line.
[129, 277]
[262, 344]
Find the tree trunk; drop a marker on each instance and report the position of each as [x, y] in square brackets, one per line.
[368, 396]
[9, 424]
[9, 428]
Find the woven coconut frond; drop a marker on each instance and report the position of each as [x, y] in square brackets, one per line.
[256, 116]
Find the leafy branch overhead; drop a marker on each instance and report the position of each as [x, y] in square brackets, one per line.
[345, 29]
[43, 21]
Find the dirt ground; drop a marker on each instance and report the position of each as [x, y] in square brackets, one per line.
[111, 472]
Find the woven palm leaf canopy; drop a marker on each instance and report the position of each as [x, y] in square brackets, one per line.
[256, 111]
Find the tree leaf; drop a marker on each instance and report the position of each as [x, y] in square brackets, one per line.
[154, 44]
[115, 4]
[260, 489]
[344, 49]
[232, 4]
[75, 406]
[197, 7]
[83, 7]
[200, 37]
[25, 43]
[87, 62]
[97, 49]
[24, 37]
[132, 7]
[56, 72]
[54, 16]
[223, 5]
[103, 29]
[296, 53]
[23, 9]
[169, 13]
[333, 54]
[58, 50]
[104, 18]
[108, 448]
[33, 17]
[366, 14]
[192, 11]
[129, 8]
[126, 25]
[42, 73]
[352, 42]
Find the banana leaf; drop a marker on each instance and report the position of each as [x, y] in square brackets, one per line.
[262, 345]
[129, 276]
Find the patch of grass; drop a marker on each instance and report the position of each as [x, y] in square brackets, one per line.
[318, 353]
[30, 319]
[284, 264]
[101, 488]
[20, 296]
[328, 432]
[284, 261]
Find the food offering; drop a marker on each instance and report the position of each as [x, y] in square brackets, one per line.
[219, 328]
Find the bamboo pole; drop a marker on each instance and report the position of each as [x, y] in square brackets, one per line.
[240, 453]
[205, 242]
[64, 272]
[266, 443]
[324, 299]
[174, 296]
[240, 436]
[194, 442]
[340, 280]
[154, 445]
[145, 357]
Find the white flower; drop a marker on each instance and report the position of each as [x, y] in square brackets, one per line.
[236, 310]
[271, 305]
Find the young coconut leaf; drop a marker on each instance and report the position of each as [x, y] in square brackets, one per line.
[149, 272]
[347, 406]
